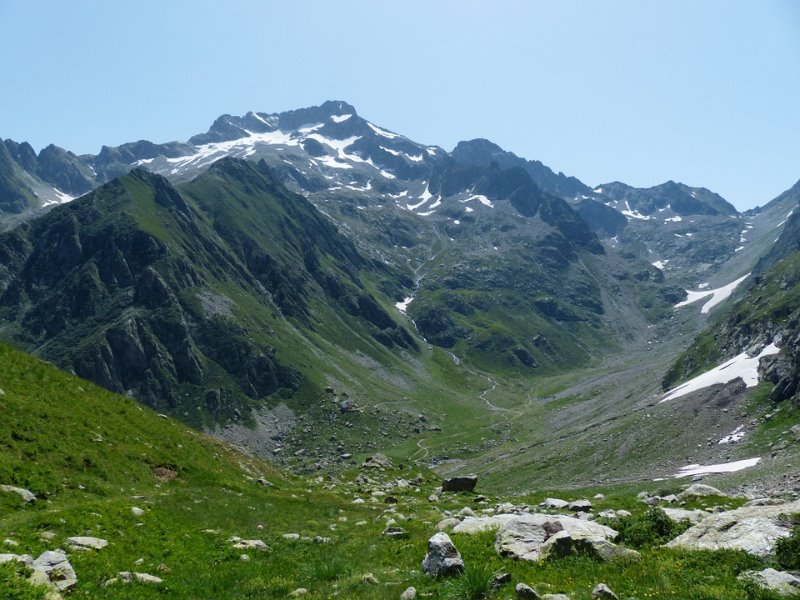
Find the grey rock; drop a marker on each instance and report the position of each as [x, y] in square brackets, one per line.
[26, 495]
[754, 529]
[409, 594]
[464, 483]
[500, 580]
[526, 592]
[780, 582]
[524, 535]
[147, 578]
[555, 597]
[580, 506]
[563, 544]
[602, 592]
[478, 524]
[136, 511]
[796, 432]
[699, 490]
[55, 564]
[395, 533]
[86, 543]
[442, 558]
[39, 579]
[555, 503]
[249, 545]
[447, 523]
[681, 514]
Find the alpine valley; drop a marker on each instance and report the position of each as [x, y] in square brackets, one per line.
[314, 293]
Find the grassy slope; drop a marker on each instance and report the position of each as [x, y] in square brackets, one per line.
[90, 456]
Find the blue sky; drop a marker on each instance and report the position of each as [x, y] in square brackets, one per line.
[704, 92]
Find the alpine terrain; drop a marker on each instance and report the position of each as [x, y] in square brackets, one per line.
[283, 352]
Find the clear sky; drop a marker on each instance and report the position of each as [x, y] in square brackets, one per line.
[706, 92]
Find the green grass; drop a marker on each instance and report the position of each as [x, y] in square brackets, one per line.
[90, 456]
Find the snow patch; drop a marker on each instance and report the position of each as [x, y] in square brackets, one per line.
[598, 190]
[675, 219]
[469, 209]
[480, 198]
[382, 132]
[739, 366]
[717, 295]
[62, 198]
[791, 212]
[730, 467]
[734, 436]
[340, 118]
[634, 214]
[403, 306]
[660, 264]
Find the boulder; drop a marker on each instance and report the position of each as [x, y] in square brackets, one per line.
[395, 533]
[249, 544]
[699, 490]
[86, 543]
[464, 483]
[524, 535]
[526, 592]
[580, 506]
[26, 495]
[681, 514]
[55, 564]
[796, 432]
[555, 503]
[409, 594]
[780, 582]
[754, 529]
[478, 524]
[602, 592]
[442, 558]
[563, 544]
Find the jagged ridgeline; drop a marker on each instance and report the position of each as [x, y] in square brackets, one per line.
[213, 291]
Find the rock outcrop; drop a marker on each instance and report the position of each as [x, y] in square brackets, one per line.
[754, 529]
[524, 536]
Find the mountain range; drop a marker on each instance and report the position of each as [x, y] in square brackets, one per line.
[280, 270]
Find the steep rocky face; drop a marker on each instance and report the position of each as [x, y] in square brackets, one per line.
[15, 194]
[149, 290]
[64, 170]
[482, 153]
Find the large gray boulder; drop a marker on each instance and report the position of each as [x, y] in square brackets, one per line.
[442, 558]
[523, 536]
[754, 529]
[780, 582]
[55, 565]
[699, 490]
[563, 544]
[479, 524]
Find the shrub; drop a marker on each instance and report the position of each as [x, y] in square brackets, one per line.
[649, 529]
[475, 583]
[787, 550]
